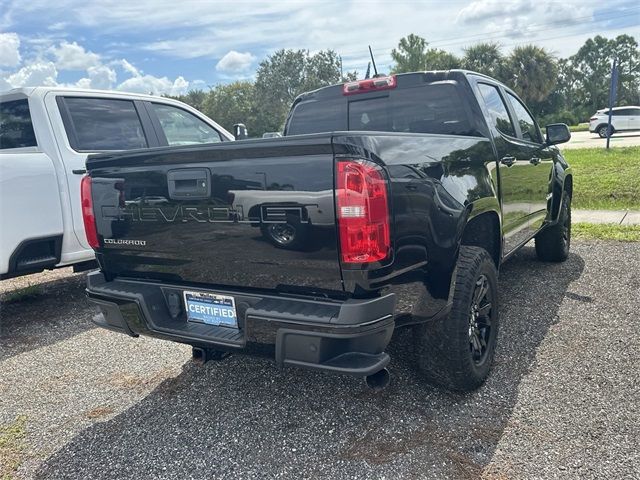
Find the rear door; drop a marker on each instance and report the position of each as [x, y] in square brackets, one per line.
[634, 119]
[91, 124]
[620, 119]
[514, 166]
[531, 150]
[627, 118]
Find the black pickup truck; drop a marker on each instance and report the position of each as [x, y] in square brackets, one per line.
[389, 203]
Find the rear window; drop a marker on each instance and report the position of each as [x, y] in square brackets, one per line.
[103, 124]
[318, 116]
[434, 108]
[16, 129]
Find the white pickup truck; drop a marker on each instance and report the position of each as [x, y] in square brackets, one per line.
[46, 134]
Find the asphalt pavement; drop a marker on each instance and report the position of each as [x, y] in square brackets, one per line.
[561, 401]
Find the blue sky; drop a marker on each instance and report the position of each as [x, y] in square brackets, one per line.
[170, 47]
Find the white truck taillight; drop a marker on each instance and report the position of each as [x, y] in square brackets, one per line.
[88, 216]
[363, 212]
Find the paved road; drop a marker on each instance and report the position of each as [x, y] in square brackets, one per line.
[592, 140]
[560, 403]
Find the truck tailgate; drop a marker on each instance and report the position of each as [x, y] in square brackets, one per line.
[253, 214]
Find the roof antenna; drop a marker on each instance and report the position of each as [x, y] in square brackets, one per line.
[375, 70]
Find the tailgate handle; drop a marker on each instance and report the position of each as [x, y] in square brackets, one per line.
[189, 183]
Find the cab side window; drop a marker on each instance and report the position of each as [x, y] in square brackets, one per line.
[98, 124]
[527, 124]
[183, 128]
[16, 129]
[497, 109]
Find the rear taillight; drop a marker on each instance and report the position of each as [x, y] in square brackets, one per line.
[369, 85]
[363, 212]
[88, 217]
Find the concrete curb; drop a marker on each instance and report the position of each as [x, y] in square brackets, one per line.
[619, 217]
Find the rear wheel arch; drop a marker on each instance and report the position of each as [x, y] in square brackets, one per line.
[558, 192]
[568, 185]
[483, 231]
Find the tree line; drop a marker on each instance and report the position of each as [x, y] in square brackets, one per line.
[567, 90]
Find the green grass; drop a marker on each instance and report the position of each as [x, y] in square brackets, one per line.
[605, 179]
[12, 448]
[605, 231]
[25, 293]
[583, 127]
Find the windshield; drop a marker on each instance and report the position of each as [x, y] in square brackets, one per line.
[431, 108]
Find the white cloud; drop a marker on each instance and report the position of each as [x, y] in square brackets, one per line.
[100, 77]
[4, 84]
[58, 26]
[71, 56]
[524, 18]
[155, 29]
[34, 74]
[155, 85]
[127, 67]
[9, 50]
[235, 62]
[143, 83]
[482, 10]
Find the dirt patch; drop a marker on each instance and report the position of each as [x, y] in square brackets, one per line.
[139, 383]
[99, 412]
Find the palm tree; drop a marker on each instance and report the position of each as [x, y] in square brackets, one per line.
[532, 72]
[484, 58]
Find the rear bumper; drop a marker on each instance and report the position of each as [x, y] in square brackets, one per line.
[338, 336]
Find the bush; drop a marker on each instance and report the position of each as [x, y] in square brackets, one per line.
[563, 116]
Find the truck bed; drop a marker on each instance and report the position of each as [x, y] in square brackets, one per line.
[195, 214]
[202, 215]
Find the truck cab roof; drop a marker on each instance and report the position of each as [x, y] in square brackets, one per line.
[407, 79]
[40, 92]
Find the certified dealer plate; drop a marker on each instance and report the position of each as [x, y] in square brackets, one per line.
[211, 309]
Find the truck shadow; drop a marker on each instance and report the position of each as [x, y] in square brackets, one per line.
[43, 313]
[244, 417]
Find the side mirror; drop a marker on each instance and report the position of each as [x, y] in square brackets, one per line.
[240, 131]
[557, 133]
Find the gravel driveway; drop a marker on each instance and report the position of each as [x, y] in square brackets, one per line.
[562, 401]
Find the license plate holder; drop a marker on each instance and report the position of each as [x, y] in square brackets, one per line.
[210, 308]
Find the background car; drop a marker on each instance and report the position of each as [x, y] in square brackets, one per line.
[46, 134]
[623, 119]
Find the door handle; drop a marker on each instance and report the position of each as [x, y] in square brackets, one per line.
[534, 161]
[508, 161]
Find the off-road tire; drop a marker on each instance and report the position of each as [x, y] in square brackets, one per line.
[443, 347]
[553, 243]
